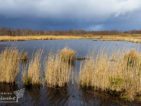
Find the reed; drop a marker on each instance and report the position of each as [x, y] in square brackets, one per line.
[32, 75]
[93, 73]
[57, 72]
[9, 65]
[67, 54]
[24, 57]
[122, 76]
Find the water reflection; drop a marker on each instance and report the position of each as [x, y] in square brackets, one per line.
[34, 93]
[72, 95]
[91, 98]
[57, 96]
[8, 87]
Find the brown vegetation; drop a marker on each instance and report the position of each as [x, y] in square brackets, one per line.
[67, 54]
[24, 56]
[41, 37]
[21, 34]
[9, 65]
[31, 76]
[121, 76]
[125, 37]
[57, 72]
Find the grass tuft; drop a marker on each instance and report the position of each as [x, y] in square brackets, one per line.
[24, 57]
[67, 54]
[32, 75]
[9, 65]
[93, 73]
[57, 72]
[132, 58]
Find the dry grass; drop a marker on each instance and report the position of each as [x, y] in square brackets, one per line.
[9, 65]
[94, 73]
[67, 54]
[122, 76]
[121, 37]
[57, 72]
[41, 37]
[125, 37]
[32, 75]
[24, 57]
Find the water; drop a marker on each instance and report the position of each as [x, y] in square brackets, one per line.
[83, 47]
[72, 95]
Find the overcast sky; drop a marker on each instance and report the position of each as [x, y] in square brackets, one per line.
[71, 14]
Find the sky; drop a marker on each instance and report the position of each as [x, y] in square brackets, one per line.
[90, 15]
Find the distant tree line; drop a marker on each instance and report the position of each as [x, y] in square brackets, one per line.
[23, 32]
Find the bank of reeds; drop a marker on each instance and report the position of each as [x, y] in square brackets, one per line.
[94, 73]
[31, 76]
[41, 37]
[121, 77]
[9, 65]
[58, 67]
[120, 37]
[57, 71]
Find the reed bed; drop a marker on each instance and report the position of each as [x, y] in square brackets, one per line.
[41, 37]
[94, 73]
[57, 72]
[121, 77]
[31, 76]
[121, 37]
[9, 65]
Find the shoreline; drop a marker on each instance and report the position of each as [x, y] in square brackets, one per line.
[130, 38]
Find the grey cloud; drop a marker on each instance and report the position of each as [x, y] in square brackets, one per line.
[65, 14]
[68, 8]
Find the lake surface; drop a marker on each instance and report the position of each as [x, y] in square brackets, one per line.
[72, 95]
[83, 47]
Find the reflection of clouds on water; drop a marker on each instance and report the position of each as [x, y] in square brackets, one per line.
[83, 47]
[72, 95]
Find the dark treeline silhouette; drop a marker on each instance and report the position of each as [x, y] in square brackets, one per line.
[22, 32]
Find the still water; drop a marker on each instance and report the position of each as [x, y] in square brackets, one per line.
[72, 95]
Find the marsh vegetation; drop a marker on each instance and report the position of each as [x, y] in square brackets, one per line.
[120, 77]
[31, 73]
[117, 75]
[9, 65]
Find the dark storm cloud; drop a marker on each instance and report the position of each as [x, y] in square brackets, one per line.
[71, 14]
